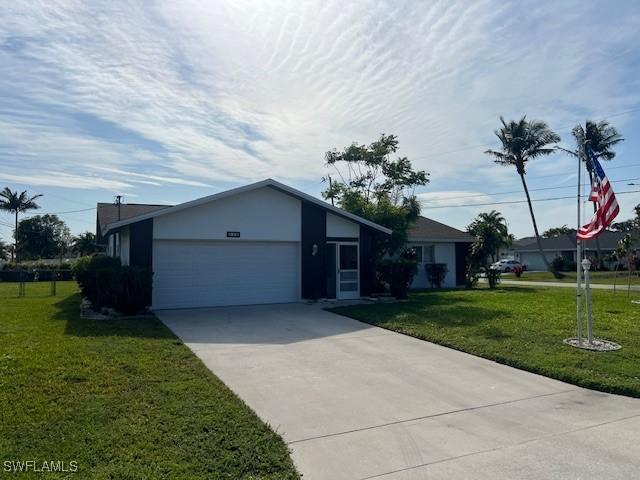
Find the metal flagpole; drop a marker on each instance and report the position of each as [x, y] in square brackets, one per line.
[579, 258]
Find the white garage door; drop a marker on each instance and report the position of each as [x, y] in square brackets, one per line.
[217, 273]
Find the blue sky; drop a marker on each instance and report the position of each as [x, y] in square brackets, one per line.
[164, 102]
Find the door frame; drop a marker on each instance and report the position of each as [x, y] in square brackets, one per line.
[347, 295]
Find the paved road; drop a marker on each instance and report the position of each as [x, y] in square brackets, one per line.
[597, 286]
[357, 402]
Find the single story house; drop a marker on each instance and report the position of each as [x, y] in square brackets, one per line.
[261, 243]
[436, 242]
[525, 250]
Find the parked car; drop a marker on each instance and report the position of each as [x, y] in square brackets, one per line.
[506, 266]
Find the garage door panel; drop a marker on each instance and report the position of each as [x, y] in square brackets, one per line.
[201, 274]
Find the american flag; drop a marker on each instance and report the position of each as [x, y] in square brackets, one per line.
[605, 200]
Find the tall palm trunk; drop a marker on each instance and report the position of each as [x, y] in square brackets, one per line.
[15, 244]
[535, 229]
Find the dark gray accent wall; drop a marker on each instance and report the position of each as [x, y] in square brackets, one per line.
[462, 248]
[141, 243]
[367, 261]
[314, 232]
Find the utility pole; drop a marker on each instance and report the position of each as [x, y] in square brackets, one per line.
[118, 202]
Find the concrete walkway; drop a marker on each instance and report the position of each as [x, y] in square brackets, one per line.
[597, 286]
[357, 402]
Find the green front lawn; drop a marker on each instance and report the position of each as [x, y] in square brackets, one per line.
[523, 327]
[124, 399]
[570, 277]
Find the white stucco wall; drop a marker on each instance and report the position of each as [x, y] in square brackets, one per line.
[444, 252]
[533, 260]
[341, 227]
[259, 215]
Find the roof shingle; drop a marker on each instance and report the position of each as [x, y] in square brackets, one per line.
[428, 229]
[108, 213]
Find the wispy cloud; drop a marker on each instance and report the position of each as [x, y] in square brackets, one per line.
[197, 94]
[152, 179]
[59, 179]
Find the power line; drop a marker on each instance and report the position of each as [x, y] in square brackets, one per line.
[532, 189]
[68, 211]
[517, 201]
[615, 167]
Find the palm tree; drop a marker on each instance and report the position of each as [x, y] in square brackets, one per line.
[492, 227]
[85, 243]
[600, 138]
[14, 202]
[523, 141]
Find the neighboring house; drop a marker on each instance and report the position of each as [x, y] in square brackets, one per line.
[436, 242]
[526, 251]
[261, 243]
[109, 213]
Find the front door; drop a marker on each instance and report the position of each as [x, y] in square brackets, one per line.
[348, 273]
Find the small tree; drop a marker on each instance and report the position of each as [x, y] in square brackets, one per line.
[492, 228]
[4, 251]
[42, 236]
[558, 231]
[624, 252]
[491, 234]
[630, 226]
[477, 264]
[366, 181]
[85, 244]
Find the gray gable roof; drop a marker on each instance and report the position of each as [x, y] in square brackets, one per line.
[108, 213]
[608, 241]
[427, 229]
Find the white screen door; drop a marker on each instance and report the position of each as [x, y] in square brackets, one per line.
[348, 271]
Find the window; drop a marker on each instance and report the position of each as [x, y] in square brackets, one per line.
[418, 250]
[348, 257]
[425, 253]
[429, 253]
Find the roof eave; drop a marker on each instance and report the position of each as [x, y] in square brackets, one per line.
[246, 188]
[440, 240]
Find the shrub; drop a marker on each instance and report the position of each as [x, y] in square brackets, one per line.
[471, 278]
[562, 264]
[493, 276]
[398, 273]
[106, 283]
[85, 272]
[11, 266]
[517, 270]
[558, 263]
[436, 273]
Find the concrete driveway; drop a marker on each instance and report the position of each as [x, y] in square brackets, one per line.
[358, 402]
